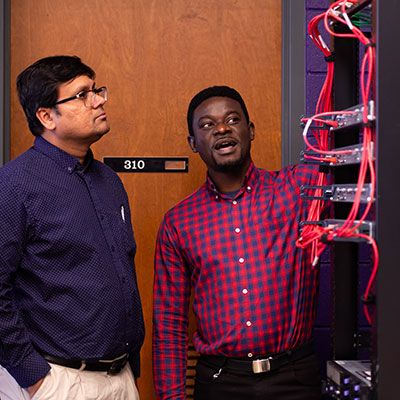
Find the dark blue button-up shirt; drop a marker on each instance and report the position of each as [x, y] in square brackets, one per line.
[67, 275]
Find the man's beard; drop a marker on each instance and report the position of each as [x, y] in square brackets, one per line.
[229, 165]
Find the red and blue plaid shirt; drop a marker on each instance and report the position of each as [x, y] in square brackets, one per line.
[253, 292]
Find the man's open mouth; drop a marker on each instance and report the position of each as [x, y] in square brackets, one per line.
[224, 144]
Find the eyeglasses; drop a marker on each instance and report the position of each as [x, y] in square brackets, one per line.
[88, 96]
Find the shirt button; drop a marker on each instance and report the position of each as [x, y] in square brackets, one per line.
[248, 188]
[216, 197]
[248, 323]
[241, 260]
[234, 202]
[69, 169]
[237, 230]
[126, 344]
[250, 355]
[244, 291]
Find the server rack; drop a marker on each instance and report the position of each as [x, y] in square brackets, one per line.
[381, 340]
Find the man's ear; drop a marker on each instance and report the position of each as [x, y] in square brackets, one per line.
[252, 130]
[44, 115]
[192, 143]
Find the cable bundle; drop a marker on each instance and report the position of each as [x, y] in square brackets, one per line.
[319, 124]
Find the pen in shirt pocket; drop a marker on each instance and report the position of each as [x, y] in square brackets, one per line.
[123, 213]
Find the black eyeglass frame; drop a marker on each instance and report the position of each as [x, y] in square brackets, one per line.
[81, 95]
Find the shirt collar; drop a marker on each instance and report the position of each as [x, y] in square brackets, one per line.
[249, 182]
[65, 160]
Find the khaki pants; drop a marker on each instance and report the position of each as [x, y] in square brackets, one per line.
[63, 383]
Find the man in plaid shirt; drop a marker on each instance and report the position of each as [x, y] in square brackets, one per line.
[232, 243]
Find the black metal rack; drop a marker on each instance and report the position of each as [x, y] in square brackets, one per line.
[385, 329]
[344, 273]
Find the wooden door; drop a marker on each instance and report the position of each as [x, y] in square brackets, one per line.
[154, 55]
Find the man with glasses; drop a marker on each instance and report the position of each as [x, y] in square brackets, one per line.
[71, 323]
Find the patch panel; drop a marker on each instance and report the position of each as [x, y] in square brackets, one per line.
[349, 120]
[365, 228]
[341, 156]
[344, 193]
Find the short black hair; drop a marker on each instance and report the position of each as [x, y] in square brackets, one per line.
[214, 91]
[38, 84]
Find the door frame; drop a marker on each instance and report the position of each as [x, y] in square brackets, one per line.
[293, 79]
[5, 29]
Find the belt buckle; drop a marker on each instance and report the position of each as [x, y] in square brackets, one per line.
[117, 365]
[262, 365]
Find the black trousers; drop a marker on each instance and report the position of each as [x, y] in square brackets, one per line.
[299, 380]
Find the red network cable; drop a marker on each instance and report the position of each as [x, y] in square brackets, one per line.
[312, 233]
[367, 159]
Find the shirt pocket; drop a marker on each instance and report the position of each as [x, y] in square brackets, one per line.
[122, 232]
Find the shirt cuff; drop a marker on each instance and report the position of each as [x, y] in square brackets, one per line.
[30, 370]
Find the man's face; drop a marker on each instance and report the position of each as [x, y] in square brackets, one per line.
[76, 122]
[222, 135]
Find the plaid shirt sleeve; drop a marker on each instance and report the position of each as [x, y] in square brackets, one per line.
[170, 316]
[306, 174]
